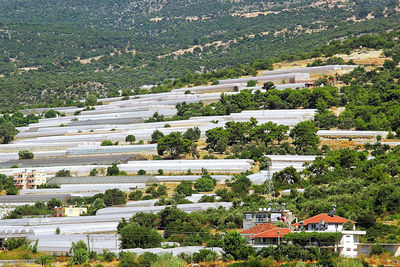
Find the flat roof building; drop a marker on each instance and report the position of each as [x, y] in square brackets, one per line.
[29, 180]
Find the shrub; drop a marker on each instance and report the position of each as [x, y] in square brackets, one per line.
[93, 172]
[141, 172]
[205, 255]
[130, 138]
[13, 243]
[135, 236]
[204, 184]
[50, 113]
[113, 170]
[25, 154]
[63, 173]
[107, 143]
[135, 195]
[108, 255]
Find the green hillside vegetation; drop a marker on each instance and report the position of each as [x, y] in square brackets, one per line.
[48, 38]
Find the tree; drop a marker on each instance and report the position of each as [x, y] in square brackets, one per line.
[240, 184]
[63, 173]
[93, 172]
[288, 175]
[268, 86]
[80, 252]
[305, 136]
[185, 188]
[107, 143]
[141, 172]
[389, 64]
[174, 145]
[95, 206]
[156, 135]
[50, 113]
[114, 197]
[7, 132]
[135, 195]
[52, 203]
[366, 218]
[130, 138]
[145, 219]
[217, 134]
[91, 100]
[251, 83]
[204, 184]
[233, 244]
[135, 236]
[25, 154]
[221, 146]
[268, 132]
[192, 134]
[113, 170]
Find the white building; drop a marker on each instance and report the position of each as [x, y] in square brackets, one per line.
[29, 180]
[350, 241]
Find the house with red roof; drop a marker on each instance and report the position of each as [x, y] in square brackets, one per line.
[350, 243]
[257, 229]
[322, 222]
[271, 237]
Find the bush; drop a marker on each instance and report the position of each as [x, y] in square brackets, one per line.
[130, 138]
[114, 197]
[50, 113]
[207, 198]
[63, 173]
[135, 195]
[108, 255]
[135, 236]
[80, 252]
[204, 184]
[233, 244]
[127, 259]
[25, 154]
[13, 243]
[93, 172]
[185, 188]
[378, 250]
[141, 172]
[205, 255]
[251, 83]
[113, 170]
[107, 143]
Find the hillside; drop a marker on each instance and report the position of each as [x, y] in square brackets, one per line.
[58, 51]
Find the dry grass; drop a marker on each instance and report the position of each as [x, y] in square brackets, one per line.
[18, 253]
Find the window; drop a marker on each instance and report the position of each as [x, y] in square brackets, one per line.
[248, 216]
[348, 249]
[261, 217]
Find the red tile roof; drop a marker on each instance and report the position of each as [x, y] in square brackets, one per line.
[273, 233]
[258, 228]
[323, 217]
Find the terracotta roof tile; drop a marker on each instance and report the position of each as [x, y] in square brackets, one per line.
[258, 228]
[273, 233]
[323, 217]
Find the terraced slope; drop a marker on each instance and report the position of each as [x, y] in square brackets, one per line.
[53, 51]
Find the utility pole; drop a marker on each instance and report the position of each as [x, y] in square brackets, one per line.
[278, 238]
[88, 242]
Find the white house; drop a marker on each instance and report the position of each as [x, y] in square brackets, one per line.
[350, 241]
